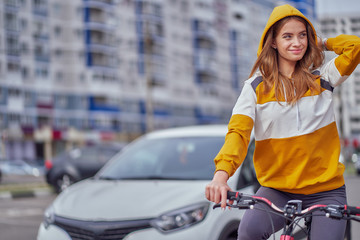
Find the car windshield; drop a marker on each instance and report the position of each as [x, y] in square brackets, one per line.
[189, 158]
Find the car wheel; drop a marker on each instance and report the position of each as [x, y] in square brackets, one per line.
[63, 182]
[230, 231]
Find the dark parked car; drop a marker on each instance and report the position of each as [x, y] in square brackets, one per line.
[78, 164]
[356, 161]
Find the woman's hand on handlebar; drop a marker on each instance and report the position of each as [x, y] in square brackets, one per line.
[216, 190]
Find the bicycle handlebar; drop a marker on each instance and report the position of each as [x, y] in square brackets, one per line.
[293, 207]
[352, 210]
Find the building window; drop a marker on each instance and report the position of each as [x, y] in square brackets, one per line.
[82, 77]
[2, 95]
[79, 12]
[59, 76]
[61, 123]
[13, 67]
[61, 101]
[11, 22]
[82, 56]
[25, 72]
[2, 120]
[41, 72]
[23, 3]
[83, 103]
[29, 99]
[12, 46]
[23, 24]
[57, 31]
[58, 53]
[27, 121]
[14, 118]
[79, 33]
[57, 9]
[41, 53]
[24, 48]
[14, 93]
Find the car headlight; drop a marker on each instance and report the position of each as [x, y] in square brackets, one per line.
[181, 218]
[49, 216]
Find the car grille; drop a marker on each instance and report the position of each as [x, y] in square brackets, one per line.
[100, 230]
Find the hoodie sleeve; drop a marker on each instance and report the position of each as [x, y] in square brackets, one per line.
[338, 69]
[234, 150]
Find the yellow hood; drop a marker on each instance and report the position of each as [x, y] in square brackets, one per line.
[277, 14]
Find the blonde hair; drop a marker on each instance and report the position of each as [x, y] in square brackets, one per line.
[267, 63]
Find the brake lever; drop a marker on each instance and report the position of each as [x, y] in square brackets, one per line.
[219, 205]
[239, 205]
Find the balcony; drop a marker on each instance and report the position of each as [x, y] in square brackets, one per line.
[42, 58]
[40, 10]
[98, 4]
[41, 36]
[205, 62]
[101, 60]
[99, 103]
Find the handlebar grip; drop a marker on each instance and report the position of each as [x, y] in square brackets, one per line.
[353, 210]
[232, 195]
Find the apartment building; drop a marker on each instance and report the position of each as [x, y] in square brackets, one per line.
[76, 71]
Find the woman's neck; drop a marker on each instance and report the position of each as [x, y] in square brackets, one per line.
[287, 68]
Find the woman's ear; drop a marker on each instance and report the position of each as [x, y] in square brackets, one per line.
[273, 45]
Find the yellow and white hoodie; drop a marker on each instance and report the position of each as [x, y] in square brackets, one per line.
[297, 146]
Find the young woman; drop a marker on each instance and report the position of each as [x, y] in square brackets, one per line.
[288, 102]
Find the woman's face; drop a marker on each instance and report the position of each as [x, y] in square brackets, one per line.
[291, 42]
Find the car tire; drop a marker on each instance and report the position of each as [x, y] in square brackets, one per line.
[63, 181]
[230, 231]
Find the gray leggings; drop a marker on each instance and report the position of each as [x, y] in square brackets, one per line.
[256, 225]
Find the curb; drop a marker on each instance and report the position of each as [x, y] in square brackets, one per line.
[13, 186]
[37, 192]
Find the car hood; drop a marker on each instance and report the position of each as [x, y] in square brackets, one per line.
[98, 200]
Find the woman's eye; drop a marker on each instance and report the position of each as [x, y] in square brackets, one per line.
[286, 36]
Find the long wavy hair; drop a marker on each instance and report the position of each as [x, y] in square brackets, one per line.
[267, 63]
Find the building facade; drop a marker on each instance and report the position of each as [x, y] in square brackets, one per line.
[348, 93]
[74, 71]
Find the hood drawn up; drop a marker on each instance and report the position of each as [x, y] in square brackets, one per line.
[277, 14]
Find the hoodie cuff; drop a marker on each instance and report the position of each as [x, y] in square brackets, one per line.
[324, 44]
[225, 166]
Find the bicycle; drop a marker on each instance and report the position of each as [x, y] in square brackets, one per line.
[292, 212]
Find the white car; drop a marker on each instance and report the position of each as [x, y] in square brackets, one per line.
[154, 189]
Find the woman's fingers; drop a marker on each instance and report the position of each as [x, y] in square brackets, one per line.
[216, 190]
[217, 193]
[211, 193]
[208, 193]
[224, 197]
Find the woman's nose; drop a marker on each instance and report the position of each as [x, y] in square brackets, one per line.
[296, 41]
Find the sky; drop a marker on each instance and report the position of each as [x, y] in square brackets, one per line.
[341, 7]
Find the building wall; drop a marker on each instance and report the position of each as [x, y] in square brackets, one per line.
[348, 94]
[74, 71]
